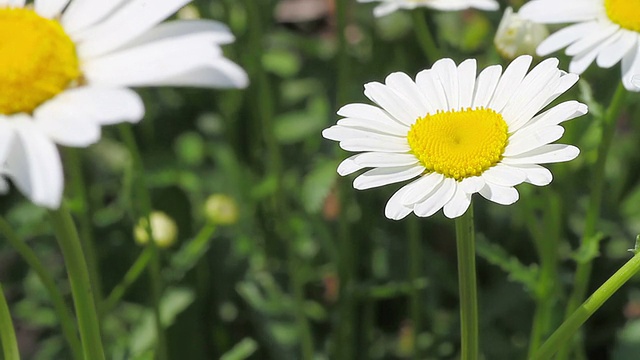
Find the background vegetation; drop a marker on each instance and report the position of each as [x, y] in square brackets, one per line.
[311, 263]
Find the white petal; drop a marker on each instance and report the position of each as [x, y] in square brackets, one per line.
[376, 145]
[613, 53]
[217, 32]
[50, 8]
[564, 37]
[99, 105]
[630, 68]
[510, 81]
[395, 104]
[129, 21]
[557, 12]
[375, 159]
[536, 174]
[341, 133]
[524, 141]
[7, 135]
[349, 166]
[421, 188]
[486, 85]
[503, 195]
[437, 199]
[13, 3]
[384, 9]
[217, 73]
[402, 84]
[370, 112]
[34, 165]
[504, 175]
[429, 83]
[448, 75]
[83, 13]
[384, 176]
[147, 63]
[472, 184]
[565, 111]
[466, 82]
[458, 204]
[590, 40]
[546, 154]
[395, 210]
[375, 126]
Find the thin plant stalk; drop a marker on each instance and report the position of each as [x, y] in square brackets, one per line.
[129, 278]
[141, 190]
[78, 187]
[590, 240]
[67, 322]
[573, 323]
[413, 227]
[264, 112]
[81, 288]
[465, 242]
[344, 337]
[7, 332]
[425, 38]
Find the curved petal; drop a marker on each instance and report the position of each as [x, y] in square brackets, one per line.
[34, 165]
[395, 209]
[384, 176]
[81, 14]
[503, 195]
[437, 199]
[458, 204]
[50, 8]
[129, 21]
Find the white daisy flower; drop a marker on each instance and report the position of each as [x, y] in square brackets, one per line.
[604, 31]
[388, 6]
[457, 134]
[66, 67]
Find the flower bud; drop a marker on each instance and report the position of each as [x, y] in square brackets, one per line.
[221, 209]
[517, 36]
[163, 228]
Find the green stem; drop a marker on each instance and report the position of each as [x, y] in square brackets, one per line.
[425, 38]
[415, 273]
[67, 323]
[129, 278]
[144, 211]
[83, 214]
[81, 289]
[570, 326]
[465, 241]
[298, 294]
[590, 241]
[7, 332]
[546, 237]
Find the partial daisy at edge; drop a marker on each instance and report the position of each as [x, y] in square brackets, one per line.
[455, 134]
[67, 69]
[386, 7]
[602, 31]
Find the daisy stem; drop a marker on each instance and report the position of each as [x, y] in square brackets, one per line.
[414, 269]
[590, 240]
[81, 288]
[425, 38]
[83, 213]
[144, 210]
[570, 326]
[129, 278]
[465, 242]
[67, 323]
[7, 332]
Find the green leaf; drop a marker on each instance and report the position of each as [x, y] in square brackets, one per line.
[297, 126]
[496, 255]
[317, 185]
[242, 350]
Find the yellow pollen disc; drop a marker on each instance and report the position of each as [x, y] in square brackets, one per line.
[624, 13]
[38, 60]
[459, 144]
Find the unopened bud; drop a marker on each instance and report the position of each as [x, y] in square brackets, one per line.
[163, 228]
[221, 209]
[517, 36]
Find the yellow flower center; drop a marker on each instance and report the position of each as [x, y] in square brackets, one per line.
[38, 60]
[459, 144]
[624, 13]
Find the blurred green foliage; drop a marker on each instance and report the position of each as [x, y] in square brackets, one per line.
[306, 244]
